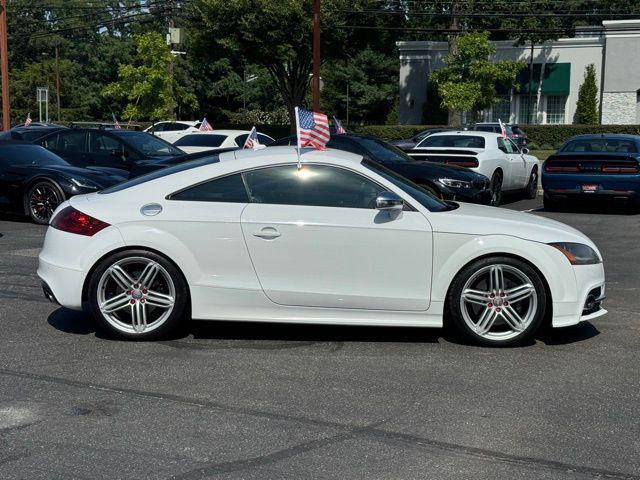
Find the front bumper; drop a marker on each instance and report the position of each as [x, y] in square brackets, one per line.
[589, 283]
[468, 195]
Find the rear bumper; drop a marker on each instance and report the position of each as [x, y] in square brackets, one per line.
[623, 187]
[61, 285]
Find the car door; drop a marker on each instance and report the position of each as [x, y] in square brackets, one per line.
[514, 167]
[70, 145]
[519, 164]
[108, 151]
[316, 239]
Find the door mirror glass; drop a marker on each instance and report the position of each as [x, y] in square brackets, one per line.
[525, 150]
[389, 201]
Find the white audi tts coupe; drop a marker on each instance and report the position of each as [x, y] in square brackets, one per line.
[336, 239]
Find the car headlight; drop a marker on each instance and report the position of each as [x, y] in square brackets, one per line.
[578, 253]
[84, 183]
[450, 182]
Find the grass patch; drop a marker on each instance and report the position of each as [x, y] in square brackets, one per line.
[542, 154]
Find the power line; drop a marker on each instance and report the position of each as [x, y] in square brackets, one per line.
[485, 14]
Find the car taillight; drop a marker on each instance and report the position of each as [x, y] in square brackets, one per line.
[607, 169]
[73, 221]
[550, 168]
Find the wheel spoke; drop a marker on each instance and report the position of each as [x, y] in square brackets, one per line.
[496, 282]
[122, 278]
[116, 303]
[476, 296]
[519, 293]
[158, 299]
[138, 317]
[513, 318]
[486, 321]
[148, 275]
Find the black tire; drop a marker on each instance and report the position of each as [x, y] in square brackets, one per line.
[173, 320]
[455, 309]
[551, 204]
[41, 200]
[496, 189]
[531, 190]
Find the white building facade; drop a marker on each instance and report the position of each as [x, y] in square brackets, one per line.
[559, 68]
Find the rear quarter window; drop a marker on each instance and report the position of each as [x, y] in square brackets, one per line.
[201, 140]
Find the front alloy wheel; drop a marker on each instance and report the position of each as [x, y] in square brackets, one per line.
[498, 301]
[137, 295]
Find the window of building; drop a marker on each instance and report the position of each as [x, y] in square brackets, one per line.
[502, 109]
[555, 108]
[528, 111]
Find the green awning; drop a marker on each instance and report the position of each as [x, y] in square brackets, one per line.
[556, 79]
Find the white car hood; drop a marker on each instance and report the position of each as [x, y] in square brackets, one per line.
[482, 220]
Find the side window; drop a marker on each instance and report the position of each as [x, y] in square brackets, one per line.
[312, 185]
[264, 140]
[101, 143]
[160, 127]
[240, 139]
[227, 189]
[67, 142]
[512, 145]
[502, 145]
[342, 144]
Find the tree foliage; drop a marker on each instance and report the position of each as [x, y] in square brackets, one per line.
[146, 85]
[587, 105]
[468, 81]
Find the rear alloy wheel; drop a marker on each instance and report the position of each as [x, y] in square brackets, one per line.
[496, 189]
[41, 201]
[137, 295]
[531, 190]
[497, 301]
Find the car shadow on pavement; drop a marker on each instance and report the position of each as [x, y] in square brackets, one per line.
[80, 323]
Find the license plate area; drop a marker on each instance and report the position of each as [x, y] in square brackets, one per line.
[589, 188]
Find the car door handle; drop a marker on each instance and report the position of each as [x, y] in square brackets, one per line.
[268, 233]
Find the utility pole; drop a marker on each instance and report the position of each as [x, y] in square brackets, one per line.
[170, 25]
[453, 119]
[58, 81]
[4, 66]
[316, 57]
[347, 104]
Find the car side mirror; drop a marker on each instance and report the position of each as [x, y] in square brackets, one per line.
[525, 150]
[389, 201]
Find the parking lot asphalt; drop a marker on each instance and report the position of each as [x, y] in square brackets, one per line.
[266, 401]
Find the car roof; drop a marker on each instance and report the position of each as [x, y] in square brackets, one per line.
[222, 132]
[289, 154]
[612, 136]
[466, 133]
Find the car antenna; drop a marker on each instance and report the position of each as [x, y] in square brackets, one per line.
[298, 138]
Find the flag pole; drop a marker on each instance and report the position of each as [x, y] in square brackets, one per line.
[298, 137]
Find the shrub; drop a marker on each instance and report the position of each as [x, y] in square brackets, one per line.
[587, 105]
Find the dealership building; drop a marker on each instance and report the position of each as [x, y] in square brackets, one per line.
[559, 67]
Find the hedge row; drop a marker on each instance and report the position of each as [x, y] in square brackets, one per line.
[547, 136]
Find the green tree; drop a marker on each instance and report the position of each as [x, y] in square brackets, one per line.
[146, 85]
[587, 105]
[372, 78]
[468, 81]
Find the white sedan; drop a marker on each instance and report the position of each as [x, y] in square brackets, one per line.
[249, 236]
[171, 131]
[497, 158]
[216, 140]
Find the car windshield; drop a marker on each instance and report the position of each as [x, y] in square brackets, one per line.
[28, 155]
[201, 140]
[427, 200]
[454, 141]
[149, 145]
[382, 151]
[600, 145]
[162, 173]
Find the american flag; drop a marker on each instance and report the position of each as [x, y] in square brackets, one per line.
[205, 126]
[338, 126]
[313, 129]
[503, 129]
[252, 140]
[116, 124]
[27, 122]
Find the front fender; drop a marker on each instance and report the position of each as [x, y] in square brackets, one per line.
[458, 250]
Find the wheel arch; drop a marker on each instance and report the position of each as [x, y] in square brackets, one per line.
[87, 278]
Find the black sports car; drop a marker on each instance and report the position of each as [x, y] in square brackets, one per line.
[145, 166]
[450, 182]
[34, 181]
